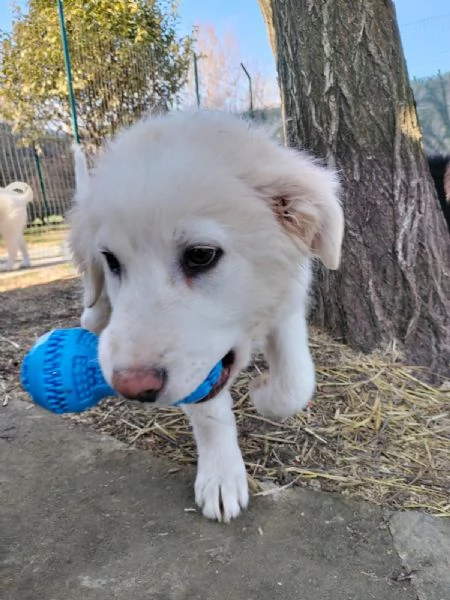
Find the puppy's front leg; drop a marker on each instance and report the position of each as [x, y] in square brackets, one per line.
[12, 244]
[221, 487]
[290, 384]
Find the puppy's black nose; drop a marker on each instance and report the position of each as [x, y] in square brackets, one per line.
[143, 384]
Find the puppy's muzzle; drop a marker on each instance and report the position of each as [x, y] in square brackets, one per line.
[140, 384]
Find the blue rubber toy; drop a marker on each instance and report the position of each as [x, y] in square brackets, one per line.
[62, 373]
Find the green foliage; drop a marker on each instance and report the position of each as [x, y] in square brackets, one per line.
[126, 56]
[432, 96]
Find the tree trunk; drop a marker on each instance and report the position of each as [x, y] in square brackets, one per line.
[267, 13]
[345, 89]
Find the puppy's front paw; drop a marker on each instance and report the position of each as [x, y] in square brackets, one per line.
[272, 400]
[221, 488]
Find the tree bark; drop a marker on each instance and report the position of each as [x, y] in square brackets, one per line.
[267, 13]
[346, 92]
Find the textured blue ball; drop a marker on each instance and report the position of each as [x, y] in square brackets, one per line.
[62, 373]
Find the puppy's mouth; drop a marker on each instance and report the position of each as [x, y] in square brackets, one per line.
[227, 365]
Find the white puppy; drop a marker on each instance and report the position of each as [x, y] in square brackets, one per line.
[194, 234]
[13, 219]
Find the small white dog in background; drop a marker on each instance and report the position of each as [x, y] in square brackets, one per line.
[194, 235]
[13, 219]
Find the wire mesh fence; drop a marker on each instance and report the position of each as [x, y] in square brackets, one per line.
[116, 78]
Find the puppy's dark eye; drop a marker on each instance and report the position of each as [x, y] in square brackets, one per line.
[198, 259]
[113, 263]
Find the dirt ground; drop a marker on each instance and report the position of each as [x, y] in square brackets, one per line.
[28, 311]
[373, 431]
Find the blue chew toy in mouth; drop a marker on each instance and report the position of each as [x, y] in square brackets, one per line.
[62, 373]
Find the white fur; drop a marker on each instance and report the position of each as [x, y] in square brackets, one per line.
[13, 219]
[221, 485]
[211, 178]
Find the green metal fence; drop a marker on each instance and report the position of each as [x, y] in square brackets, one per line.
[119, 88]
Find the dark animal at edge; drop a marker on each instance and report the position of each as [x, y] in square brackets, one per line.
[440, 171]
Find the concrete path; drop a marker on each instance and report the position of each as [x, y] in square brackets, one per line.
[85, 518]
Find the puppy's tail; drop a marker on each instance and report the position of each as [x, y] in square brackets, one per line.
[81, 171]
[21, 190]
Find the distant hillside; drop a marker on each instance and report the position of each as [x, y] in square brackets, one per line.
[432, 96]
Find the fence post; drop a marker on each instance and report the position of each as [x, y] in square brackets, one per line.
[37, 160]
[197, 88]
[250, 90]
[73, 109]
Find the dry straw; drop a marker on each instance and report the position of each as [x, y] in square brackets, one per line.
[374, 431]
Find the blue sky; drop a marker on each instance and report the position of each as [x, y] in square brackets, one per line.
[424, 25]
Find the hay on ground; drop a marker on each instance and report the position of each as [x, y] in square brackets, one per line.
[374, 431]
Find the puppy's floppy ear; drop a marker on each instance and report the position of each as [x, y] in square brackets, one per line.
[95, 318]
[80, 242]
[81, 234]
[93, 282]
[304, 198]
